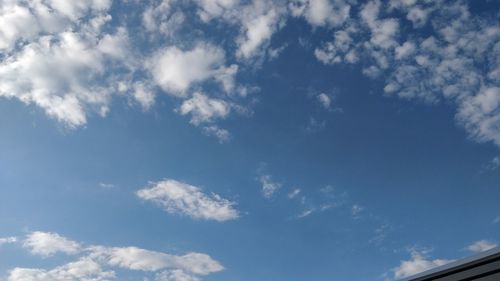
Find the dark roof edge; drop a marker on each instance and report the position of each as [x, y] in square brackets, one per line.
[495, 252]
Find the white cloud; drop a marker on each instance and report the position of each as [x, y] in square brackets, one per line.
[7, 240]
[83, 269]
[321, 12]
[269, 187]
[325, 100]
[160, 19]
[90, 265]
[92, 261]
[176, 70]
[259, 21]
[59, 60]
[204, 109]
[182, 198]
[403, 51]
[481, 246]
[145, 260]
[480, 115]
[383, 31]
[175, 275]
[46, 244]
[418, 263]
[221, 134]
[210, 9]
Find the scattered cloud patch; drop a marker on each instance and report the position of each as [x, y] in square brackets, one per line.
[481, 246]
[269, 186]
[417, 264]
[181, 198]
[176, 70]
[46, 244]
[325, 100]
[96, 263]
[7, 240]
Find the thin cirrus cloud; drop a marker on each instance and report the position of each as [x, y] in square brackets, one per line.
[97, 262]
[176, 197]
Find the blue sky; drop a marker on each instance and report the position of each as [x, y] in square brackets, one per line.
[242, 140]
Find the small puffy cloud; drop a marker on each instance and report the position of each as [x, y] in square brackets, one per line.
[83, 269]
[481, 246]
[204, 109]
[176, 70]
[383, 31]
[325, 100]
[259, 21]
[269, 187]
[182, 198]
[403, 51]
[209, 9]
[417, 264]
[46, 244]
[321, 12]
[480, 115]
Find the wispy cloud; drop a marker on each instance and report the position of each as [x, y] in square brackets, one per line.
[269, 186]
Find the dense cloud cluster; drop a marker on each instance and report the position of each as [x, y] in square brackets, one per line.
[70, 59]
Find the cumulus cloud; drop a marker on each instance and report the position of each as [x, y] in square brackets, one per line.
[182, 198]
[204, 109]
[54, 56]
[259, 21]
[176, 70]
[160, 18]
[209, 9]
[145, 260]
[83, 269]
[417, 264]
[481, 246]
[321, 12]
[269, 187]
[457, 62]
[46, 244]
[325, 100]
[94, 262]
